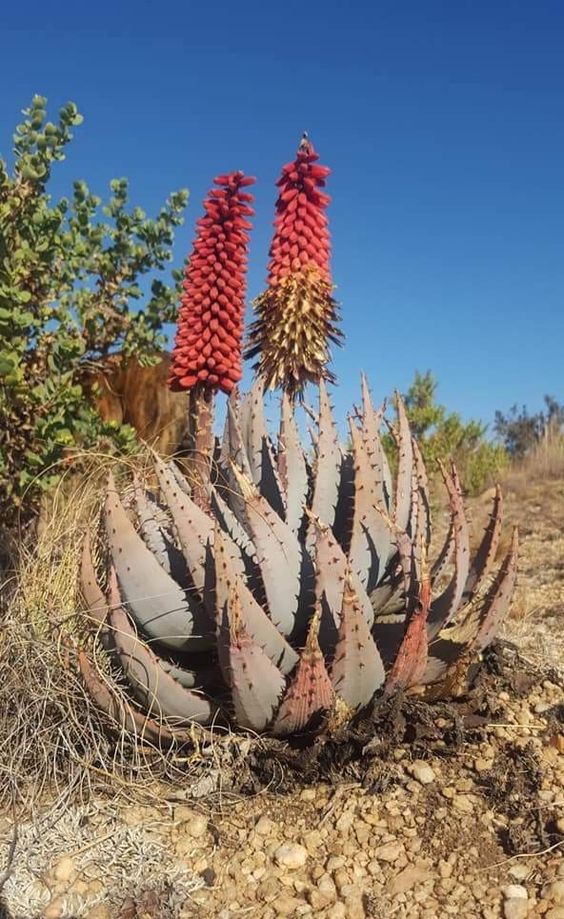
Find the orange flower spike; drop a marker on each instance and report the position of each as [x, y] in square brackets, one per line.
[296, 315]
[207, 347]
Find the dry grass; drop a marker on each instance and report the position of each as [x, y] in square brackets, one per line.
[545, 462]
[53, 738]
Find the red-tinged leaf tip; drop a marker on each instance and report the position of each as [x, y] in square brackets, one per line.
[310, 690]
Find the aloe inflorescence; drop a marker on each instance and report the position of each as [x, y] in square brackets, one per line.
[296, 316]
[302, 592]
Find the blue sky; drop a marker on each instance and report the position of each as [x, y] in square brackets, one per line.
[443, 124]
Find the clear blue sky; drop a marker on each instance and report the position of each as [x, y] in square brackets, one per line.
[443, 123]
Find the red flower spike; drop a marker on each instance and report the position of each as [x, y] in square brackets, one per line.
[297, 315]
[212, 307]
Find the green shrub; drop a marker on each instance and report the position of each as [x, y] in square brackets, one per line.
[71, 272]
[442, 434]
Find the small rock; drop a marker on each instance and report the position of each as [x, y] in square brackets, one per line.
[336, 862]
[560, 825]
[326, 887]
[337, 911]
[558, 742]
[463, 803]
[519, 872]
[554, 892]
[64, 869]
[196, 827]
[482, 765]
[515, 892]
[54, 910]
[422, 772]
[99, 912]
[515, 908]
[408, 878]
[285, 905]
[291, 855]
[264, 826]
[388, 853]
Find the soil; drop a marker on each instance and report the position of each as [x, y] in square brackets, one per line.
[418, 811]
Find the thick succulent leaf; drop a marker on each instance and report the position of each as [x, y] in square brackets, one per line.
[446, 605]
[331, 568]
[423, 525]
[148, 526]
[192, 526]
[371, 424]
[279, 556]
[445, 555]
[121, 712]
[192, 678]
[357, 671]
[156, 602]
[454, 647]
[259, 449]
[344, 512]
[91, 590]
[233, 451]
[405, 464]
[310, 690]
[256, 683]
[483, 560]
[178, 476]
[292, 467]
[230, 577]
[233, 446]
[230, 525]
[372, 536]
[253, 428]
[498, 597]
[410, 664]
[151, 683]
[327, 464]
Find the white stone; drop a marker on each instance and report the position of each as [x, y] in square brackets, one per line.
[515, 892]
[291, 855]
[516, 908]
[422, 772]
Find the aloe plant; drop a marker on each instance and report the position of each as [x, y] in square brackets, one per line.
[303, 591]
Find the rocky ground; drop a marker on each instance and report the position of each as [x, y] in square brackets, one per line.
[438, 811]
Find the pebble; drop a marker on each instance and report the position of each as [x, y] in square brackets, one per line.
[408, 878]
[196, 827]
[291, 855]
[285, 905]
[515, 892]
[265, 826]
[389, 852]
[515, 909]
[554, 892]
[422, 771]
[99, 912]
[64, 869]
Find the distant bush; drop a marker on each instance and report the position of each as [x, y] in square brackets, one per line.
[442, 434]
[520, 432]
[70, 273]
